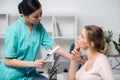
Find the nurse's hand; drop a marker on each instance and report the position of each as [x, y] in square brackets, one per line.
[40, 63]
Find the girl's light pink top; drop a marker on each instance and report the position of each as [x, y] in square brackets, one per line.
[101, 70]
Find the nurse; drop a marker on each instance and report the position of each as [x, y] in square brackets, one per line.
[22, 42]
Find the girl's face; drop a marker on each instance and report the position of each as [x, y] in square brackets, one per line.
[82, 40]
[35, 17]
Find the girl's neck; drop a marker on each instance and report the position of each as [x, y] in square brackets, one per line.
[92, 54]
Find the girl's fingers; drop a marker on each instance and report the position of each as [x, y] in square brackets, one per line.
[74, 52]
[78, 49]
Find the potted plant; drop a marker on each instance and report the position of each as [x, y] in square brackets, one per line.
[108, 36]
[117, 44]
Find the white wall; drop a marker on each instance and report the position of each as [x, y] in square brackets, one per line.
[105, 13]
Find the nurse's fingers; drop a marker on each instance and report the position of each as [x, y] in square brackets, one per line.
[39, 63]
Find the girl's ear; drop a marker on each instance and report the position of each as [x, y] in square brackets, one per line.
[91, 44]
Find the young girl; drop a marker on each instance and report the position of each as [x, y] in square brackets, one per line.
[97, 67]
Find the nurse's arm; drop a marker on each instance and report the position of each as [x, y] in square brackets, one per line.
[63, 53]
[19, 64]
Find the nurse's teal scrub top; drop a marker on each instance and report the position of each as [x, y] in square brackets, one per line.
[23, 45]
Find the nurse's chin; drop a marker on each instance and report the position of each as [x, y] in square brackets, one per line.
[37, 22]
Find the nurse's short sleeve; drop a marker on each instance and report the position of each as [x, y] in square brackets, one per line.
[10, 46]
[47, 41]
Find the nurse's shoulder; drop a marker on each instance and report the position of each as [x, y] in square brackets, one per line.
[15, 26]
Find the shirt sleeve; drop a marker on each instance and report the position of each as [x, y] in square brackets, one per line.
[47, 41]
[105, 70]
[10, 46]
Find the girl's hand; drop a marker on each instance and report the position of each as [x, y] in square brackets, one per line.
[76, 54]
[40, 63]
